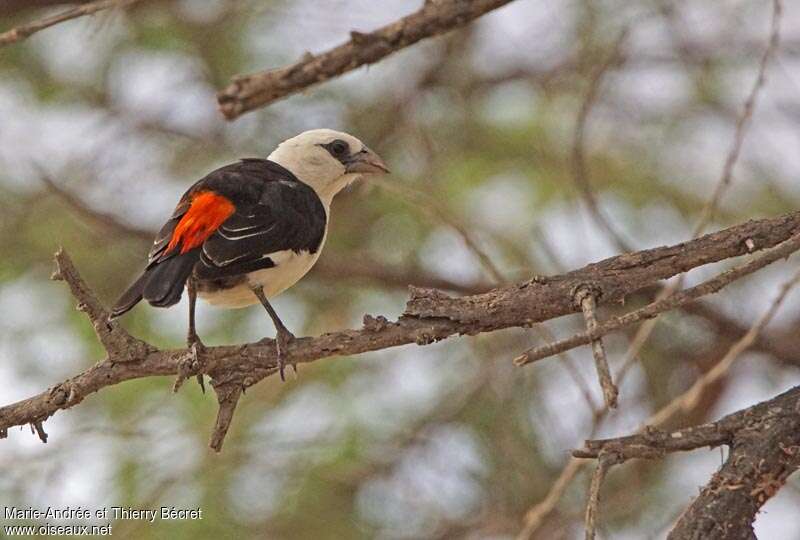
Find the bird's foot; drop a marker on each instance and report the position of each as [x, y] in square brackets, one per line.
[192, 364]
[282, 339]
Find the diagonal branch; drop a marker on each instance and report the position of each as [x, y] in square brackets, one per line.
[248, 92]
[22, 32]
[118, 343]
[653, 443]
[430, 316]
[765, 450]
[668, 303]
[108, 222]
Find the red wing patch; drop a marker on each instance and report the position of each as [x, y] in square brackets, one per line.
[207, 212]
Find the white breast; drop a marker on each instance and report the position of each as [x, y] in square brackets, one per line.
[289, 268]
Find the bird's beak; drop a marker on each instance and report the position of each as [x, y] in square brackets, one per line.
[366, 162]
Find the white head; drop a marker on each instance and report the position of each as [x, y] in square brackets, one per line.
[327, 160]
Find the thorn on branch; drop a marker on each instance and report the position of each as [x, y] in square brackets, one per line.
[586, 297]
[36, 427]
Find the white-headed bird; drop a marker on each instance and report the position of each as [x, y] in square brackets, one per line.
[248, 231]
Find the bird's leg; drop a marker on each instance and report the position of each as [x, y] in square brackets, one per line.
[282, 334]
[192, 339]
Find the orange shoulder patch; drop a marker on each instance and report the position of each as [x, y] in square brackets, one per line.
[206, 213]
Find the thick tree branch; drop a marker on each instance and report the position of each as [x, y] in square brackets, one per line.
[765, 449]
[657, 443]
[249, 92]
[668, 303]
[430, 315]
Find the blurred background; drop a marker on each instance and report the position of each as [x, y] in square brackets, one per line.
[485, 130]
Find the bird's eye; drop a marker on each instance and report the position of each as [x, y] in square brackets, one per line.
[338, 148]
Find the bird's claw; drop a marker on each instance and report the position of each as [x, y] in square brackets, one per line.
[282, 340]
[197, 349]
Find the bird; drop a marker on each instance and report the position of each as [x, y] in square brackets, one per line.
[248, 231]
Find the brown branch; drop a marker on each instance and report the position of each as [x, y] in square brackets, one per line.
[586, 299]
[652, 443]
[22, 32]
[605, 461]
[430, 316]
[248, 92]
[743, 121]
[726, 178]
[671, 302]
[537, 514]
[765, 449]
[118, 343]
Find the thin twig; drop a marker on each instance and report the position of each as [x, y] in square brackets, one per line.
[106, 221]
[437, 213]
[547, 336]
[585, 298]
[22, 32]
[538, 513]
[604, 462]
[743, 122]
[580, 169]
[724, 182]
[691, 397]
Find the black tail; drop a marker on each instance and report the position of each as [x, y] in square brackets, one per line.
[161, 284]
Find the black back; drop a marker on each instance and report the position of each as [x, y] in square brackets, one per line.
[274, 211]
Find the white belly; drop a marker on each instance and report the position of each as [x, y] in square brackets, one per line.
[289, 268]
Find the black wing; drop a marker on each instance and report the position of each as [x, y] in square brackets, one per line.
[274, 212]
[288, 216]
